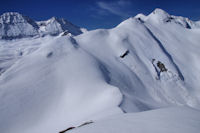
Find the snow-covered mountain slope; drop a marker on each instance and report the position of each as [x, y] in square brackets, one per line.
[50, 83]
[160, 16]
[53, 87]
[14, 25]
[12, 51]
[170, 120]
[55, 26]
[147, 44]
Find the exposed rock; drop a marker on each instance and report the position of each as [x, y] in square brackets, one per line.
[161, 66]
[126, 53]
[70, 128]
[86, 123]
[49, 54]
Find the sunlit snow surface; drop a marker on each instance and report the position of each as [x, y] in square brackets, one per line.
[49, 84]
[169, 120]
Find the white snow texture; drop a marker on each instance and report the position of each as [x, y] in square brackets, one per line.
[119, 78]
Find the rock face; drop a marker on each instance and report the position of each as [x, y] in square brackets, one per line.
[55, 26]
[14, 25]
[161, 66]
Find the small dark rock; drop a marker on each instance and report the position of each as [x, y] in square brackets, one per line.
[169, 19]
[65, 33]
[126, 53]
[161, 66]
[152, 61]
[49, 54]
[140, 20]
[70, 128]
[2, 70]
[21, 53]
[188, 26]
[86, 123]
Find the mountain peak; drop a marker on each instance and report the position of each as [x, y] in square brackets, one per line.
[12, 17]
[15, 25]
[58, 20]
[54, 18]
[11, 14]
[158, 15]
[55, 26]
[162, 17]
[159, 11]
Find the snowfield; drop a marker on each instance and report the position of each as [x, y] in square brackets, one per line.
[167, 120]
[61, 81]
[146, 63]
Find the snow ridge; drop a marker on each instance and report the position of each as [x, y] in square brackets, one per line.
[160, 16]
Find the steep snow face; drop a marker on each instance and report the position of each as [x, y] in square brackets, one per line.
[148, 61]
[14, 25]
[160, 16]
[171, 120]
[55, 26]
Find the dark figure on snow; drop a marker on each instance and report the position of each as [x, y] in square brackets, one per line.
[161, 66]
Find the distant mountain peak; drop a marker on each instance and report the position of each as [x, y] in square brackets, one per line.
[160, 11]
[15, 25]
[11, 14]
[54, 19]
[13, 17]
[55, 26]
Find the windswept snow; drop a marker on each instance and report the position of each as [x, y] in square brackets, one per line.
[142, 84]
[44, 93]
[170, 120]
[50, 83]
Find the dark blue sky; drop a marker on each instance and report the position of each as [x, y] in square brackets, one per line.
[93, 14]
